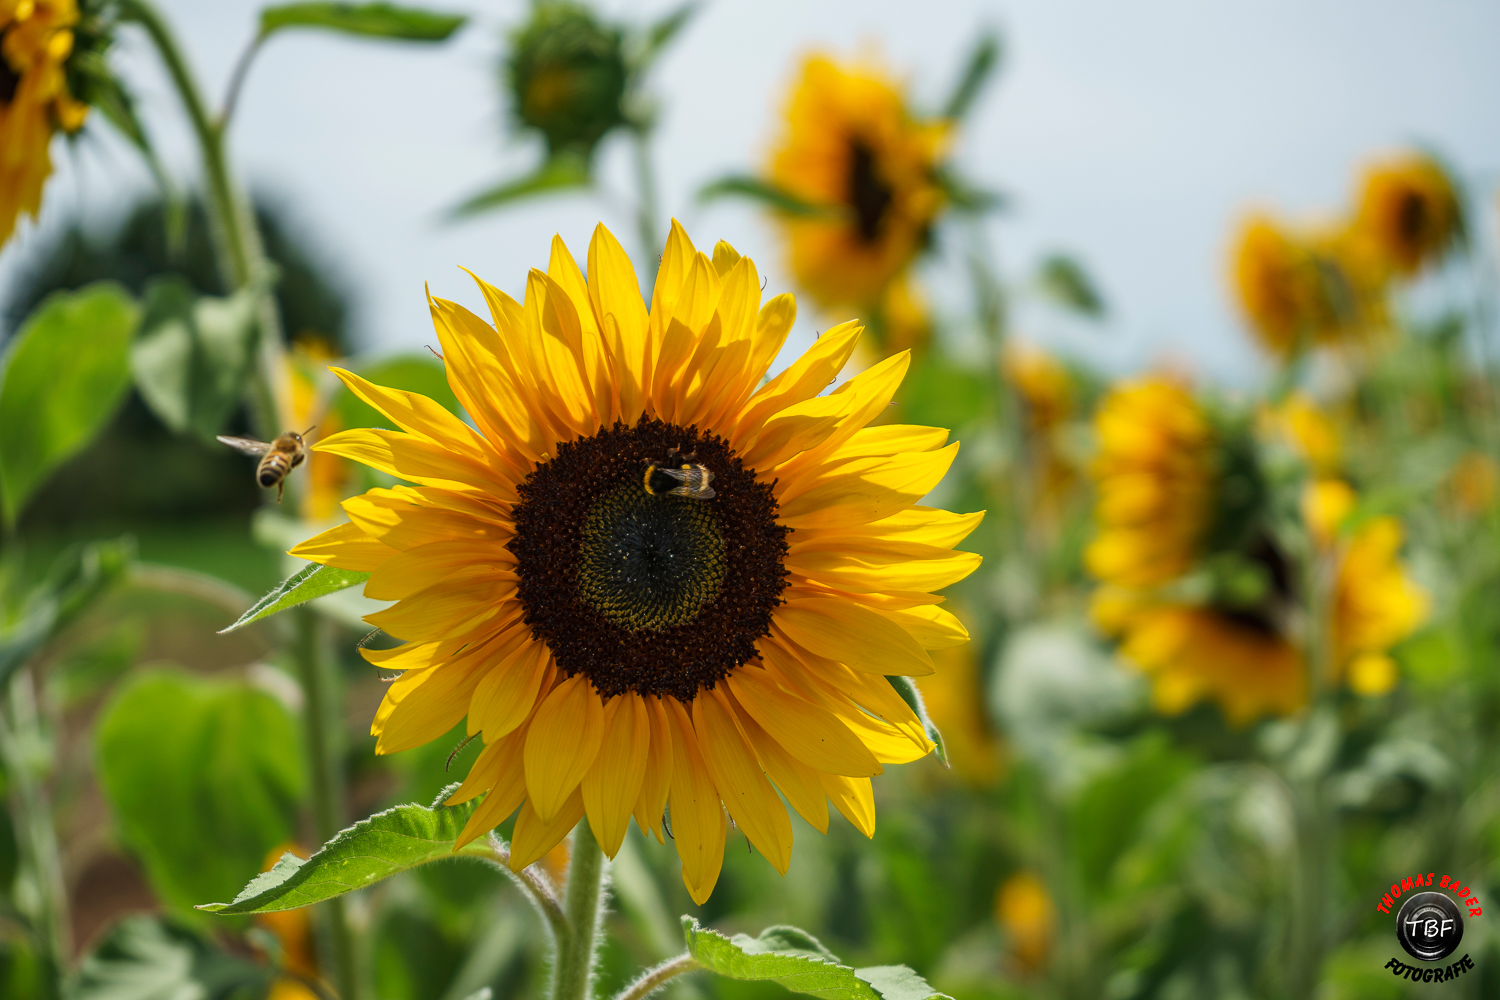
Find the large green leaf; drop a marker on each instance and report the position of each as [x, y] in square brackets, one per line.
[203, 778]
[370, 20]
[373, 849]
[144, 958]
[192, 355]
[796, 960]
[63, 376]
[306, 584]
[79, 576]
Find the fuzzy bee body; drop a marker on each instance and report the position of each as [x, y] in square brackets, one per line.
[686, 480]
[277, 458]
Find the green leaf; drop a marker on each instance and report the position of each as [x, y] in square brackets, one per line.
[907, 689]
[192, 356]
[1065, 281]
[768, 194]
[145, 958]
[373, 849]
[965, 197]
[982, 62]
[203, 778]
[418, 373]
[796, 960]
[369, 20]
[310, 582]
[78, 578]
[63, 376]
[560, 173]
[661, 33]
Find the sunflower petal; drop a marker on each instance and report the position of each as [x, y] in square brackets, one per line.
[562, 743]
[345, 547]
[506, 782]
[508, 694]
[808, 376]
[534, 837]
[749, 797]
[657, 780]
[798, 782]
[854, 798]
[813, 735]
[613, 785]
[698, 825]
[868, 494]
[933, 627]
[854, 635]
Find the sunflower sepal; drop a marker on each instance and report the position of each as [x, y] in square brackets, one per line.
[907, 689]
[306, 584]
[799, 962]
[372, 850]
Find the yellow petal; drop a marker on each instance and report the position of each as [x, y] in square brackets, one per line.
[798, 782]
[562, 743]
[853, 635]
[441, 611]
[416, 414]
[452, 562]
[616, 291]
[854, 798]
[697, 814]
[725, 257]
[505, 780]
[346, 547]
[808, 376]
[425, 704]
[613, 785]
[874, 491]
[657, 780]
[408, 457]
[908, 567]
[813, 735]
[534, 837]
[933, 627]
[507, 696]
[749, 797]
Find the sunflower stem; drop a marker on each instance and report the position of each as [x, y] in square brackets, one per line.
[323, 762]
[654, 979]
[530, 880]
[645, 213]
[574, 975]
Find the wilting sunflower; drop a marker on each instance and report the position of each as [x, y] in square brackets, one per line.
[36, 38]
[852, 143]
[1157, 477]
[1192, 653]
[1408, 213]
[1300, 290]
[628, 634]
[1376, 605]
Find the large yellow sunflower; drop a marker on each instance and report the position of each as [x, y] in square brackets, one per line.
[1157, 477]
[850, 141]
[625, 643]
[36, 39]
[1408, 213]
[1193, 653]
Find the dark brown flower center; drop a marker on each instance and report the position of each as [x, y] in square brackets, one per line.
[9, 78]
[658, 594]
[1411, 217]
[869, 194]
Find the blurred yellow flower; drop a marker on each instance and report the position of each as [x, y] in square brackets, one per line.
[1474, 482]
[626, 641]
[1192, 654]
[1043, 383]
[1156, 478]
[1325, 504]
[36, 38]
[1025, 912]
[1309, 431]
[954, 697]
[1408, 212]
[851, 142]
[293, 932]
[328, 476]
[1376, 605]
[1300, 290]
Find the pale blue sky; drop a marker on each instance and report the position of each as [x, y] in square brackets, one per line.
[1131, 134]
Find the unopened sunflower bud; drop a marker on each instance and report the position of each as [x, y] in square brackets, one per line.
[567, 77]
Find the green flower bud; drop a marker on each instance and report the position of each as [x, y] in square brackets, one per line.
[567, 77]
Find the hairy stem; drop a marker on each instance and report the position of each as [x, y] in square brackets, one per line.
[654, 979]
[530, 880]
[574, 975]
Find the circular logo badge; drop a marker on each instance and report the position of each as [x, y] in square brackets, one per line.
[1429, 926]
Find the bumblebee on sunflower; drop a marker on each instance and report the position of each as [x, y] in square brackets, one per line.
[1199, 587]
[626, 649]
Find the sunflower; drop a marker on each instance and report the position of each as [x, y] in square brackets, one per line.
[1376, 605]
[1194, 653]
[852, 144]
[1157, 480]
[1024, 910]
[1408, 212]
[627, 642]
[36, 38]
[1303, 289]
[327, 477]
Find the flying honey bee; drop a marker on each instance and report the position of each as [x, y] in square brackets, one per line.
[687, 480]
[278, 457]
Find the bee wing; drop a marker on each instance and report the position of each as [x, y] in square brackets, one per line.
[248, 446]
[694, 475]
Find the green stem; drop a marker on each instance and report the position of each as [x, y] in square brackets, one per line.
[530, 880]
[574, 975]
[237, 243]
[20, 737]
[645, 214]
[323, 759]
[653, 979]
